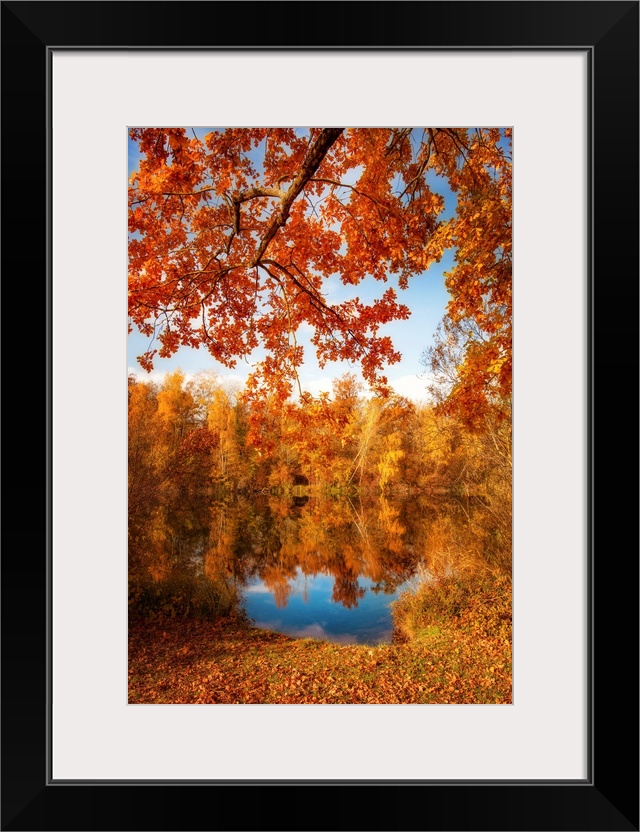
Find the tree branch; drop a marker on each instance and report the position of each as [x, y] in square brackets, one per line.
[316, 154]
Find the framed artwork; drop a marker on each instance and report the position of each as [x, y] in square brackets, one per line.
[297, 477]
[85, 749]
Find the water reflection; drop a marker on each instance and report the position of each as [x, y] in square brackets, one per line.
[312, 612]
[308, 565]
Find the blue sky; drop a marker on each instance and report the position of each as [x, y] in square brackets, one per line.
[425, 296]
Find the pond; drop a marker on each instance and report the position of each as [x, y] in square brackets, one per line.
[305, 564]
[311, 610]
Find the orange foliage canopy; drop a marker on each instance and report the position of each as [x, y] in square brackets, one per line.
[232, 240]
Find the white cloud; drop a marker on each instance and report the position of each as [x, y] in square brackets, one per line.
[229, 381]
[412, 387]
[317, 631]
[142, 377]
[315, 386]
[258, 589]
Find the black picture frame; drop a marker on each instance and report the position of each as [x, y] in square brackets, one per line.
[608, 798]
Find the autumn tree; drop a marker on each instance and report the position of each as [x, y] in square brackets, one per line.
[471, 361]
[233, 239]
[175, 409]
[221, 421]
[144, 467]
[339, 425]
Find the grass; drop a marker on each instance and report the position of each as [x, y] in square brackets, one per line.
[181, 597]
[479, 604]
[456, 649]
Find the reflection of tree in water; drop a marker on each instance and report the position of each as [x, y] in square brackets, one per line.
[268, 539]
[342, 538]
[278, 578]
[171, 540]
[386, 587]
[346, 591]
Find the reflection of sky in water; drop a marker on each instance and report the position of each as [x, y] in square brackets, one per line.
[310, 612]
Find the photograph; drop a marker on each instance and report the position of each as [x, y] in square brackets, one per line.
[319, 415]
[323, 416]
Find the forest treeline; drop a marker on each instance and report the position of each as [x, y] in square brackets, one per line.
[186, 437]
